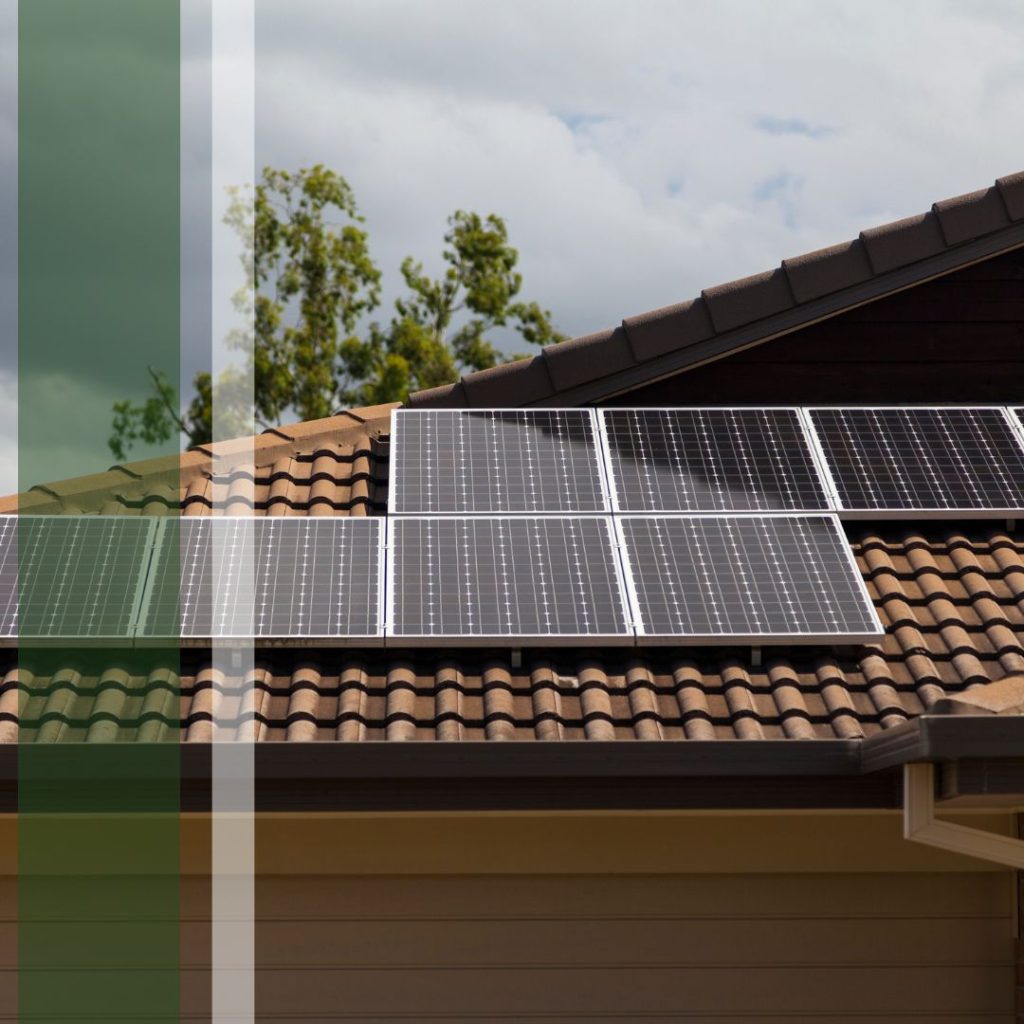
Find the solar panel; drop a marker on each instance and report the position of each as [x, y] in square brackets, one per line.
[744, 579]
[273, 577]
[72, 576]
[496, 461]
[893, 461]
[711, 460]
[477, 579]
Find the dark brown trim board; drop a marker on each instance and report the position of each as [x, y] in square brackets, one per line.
[592, 775]
[728, 318]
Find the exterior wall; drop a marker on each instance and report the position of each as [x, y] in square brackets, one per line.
[959, 338]
[1020, 931]
[624, 917]
[609, 918]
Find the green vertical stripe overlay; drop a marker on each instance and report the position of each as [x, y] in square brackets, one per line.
[98, 757]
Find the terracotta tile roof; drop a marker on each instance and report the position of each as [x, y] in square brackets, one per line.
[952, 601]
[952, 597]
[335, 467]
[881, 260]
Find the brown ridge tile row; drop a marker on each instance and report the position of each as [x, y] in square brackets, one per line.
[953, 608]
[726, 307]
[335, 466]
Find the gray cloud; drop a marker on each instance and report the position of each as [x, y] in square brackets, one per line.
[640, 151]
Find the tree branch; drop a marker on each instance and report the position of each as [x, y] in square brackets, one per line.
[162, 390]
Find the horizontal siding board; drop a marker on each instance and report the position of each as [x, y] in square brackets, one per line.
[895, 989]
[811, 383]
[879, 344]
[611, 1018]
[673, 1015]
[840, 947]
[612, 943]
[601, 897]
[871, 946]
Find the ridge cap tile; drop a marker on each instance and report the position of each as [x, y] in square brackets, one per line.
[971, 215]
[1011, 188]
[900, 242]
[755, 297]
[581, 360]
[519, 382]
[668, 329]
[823, 271]
[444, 396]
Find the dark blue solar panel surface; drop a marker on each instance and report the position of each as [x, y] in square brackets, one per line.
[711, 460]
[922, 459]
[503, 577]
[745, 578]
[496, 461]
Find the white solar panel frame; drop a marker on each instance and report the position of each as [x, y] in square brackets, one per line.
[9, 620]
[824, 478]
[277, 640]
[1016, 416]
[645, 638]
[960, 511]
[599, 455]
[11, 637]
[626, 639]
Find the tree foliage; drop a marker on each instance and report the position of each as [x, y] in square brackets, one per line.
[312, 287]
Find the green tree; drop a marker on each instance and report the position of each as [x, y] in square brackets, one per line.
[310, 288]
[420, 348]
[157, 419]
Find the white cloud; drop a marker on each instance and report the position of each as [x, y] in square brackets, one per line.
[632, 147]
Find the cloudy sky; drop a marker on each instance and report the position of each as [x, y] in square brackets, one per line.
[642, 150]
[639, 151]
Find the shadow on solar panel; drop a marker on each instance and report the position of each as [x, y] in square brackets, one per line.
[460, 461]
[711, 460]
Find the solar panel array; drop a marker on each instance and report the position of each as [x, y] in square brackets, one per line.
[543, 526]
[711, 460]
[744, 578]
[458, 578]
[946, 460]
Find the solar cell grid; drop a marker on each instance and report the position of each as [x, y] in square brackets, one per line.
[240, 577]
[695, 460]
[898, 460]
[751, 579]
[474, 578]
[495, 460]
[72, 576]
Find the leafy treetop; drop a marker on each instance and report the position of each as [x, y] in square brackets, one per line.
[312, 285]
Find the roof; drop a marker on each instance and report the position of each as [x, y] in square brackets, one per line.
[952, 600]
[951, 595]
[728, 317]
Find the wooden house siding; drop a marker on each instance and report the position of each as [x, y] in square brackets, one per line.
[958, 338]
